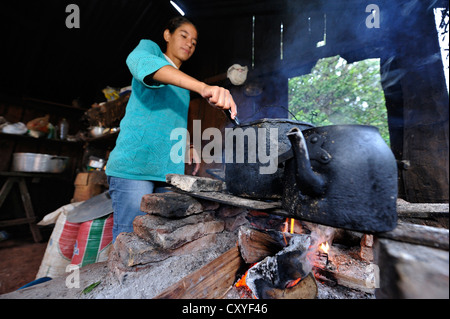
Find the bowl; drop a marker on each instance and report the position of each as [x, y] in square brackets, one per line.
[97, 131]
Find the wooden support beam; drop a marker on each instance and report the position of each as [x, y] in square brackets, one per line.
[419, 234]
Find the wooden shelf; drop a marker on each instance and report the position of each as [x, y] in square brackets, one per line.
[17, 137]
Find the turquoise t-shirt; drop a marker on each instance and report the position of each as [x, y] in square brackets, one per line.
[153, 111]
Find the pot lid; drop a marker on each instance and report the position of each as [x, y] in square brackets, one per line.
[276, 121]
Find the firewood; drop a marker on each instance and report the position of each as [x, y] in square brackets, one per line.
[342, 266]
[232, 200]
[421, 210]
[419, 234]
[278, 271]
[255, 244]
[305, 289]
[209, 282]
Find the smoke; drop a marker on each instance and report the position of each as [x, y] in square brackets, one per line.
[390, 77]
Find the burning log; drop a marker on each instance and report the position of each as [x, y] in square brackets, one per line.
[273, 275]
[255, 245]
[343, 267]
[304, 289]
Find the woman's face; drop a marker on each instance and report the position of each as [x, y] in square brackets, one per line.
[181, 43]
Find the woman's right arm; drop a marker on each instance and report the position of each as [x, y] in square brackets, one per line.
[147, 66]
[215, 95]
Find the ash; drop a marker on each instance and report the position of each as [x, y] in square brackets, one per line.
[340, 292]
[148, 283]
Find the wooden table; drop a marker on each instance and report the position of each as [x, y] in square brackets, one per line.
[19, 178]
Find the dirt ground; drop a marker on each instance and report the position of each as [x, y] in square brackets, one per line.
[19, 262]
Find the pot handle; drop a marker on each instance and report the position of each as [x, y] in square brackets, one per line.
[308, 181]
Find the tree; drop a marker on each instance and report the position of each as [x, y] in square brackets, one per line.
[336, 92]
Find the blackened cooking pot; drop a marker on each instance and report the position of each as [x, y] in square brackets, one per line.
[252, 167]
[343, 176]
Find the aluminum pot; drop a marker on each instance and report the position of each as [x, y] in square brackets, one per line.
[258, 140]
[342, 176]
[39, 163]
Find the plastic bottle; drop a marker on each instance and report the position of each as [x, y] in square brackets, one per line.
[63, 129]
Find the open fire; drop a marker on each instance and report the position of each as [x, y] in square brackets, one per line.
[290, 260]
[276, 257]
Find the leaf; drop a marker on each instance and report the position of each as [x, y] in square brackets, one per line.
[89, 288]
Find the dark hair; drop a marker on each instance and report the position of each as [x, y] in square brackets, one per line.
[177, 22]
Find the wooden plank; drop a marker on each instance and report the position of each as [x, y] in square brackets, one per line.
[209, 282]
[232, 200]
[422, 210]
[419, 234]
[18, 221]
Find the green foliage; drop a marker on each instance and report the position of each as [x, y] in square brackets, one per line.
[336, 92]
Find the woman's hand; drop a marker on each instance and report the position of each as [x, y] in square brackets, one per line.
[220, 98]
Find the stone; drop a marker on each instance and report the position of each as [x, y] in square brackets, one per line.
[411, 271]
[164, 233]
[133, 251]
[170, 205]
[189, 183]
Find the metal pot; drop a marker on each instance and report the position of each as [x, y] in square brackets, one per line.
[342, 176]
[253, 177]
[39, 163]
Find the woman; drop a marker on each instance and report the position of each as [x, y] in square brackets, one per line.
[158, 104]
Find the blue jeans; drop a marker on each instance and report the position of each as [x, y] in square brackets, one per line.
[126, 196]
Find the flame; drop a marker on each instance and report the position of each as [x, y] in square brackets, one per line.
[289, 226]
[293, 283]
[243, 285]
[288, 223]
[324, 247]
[285, 229]
[241, 282]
